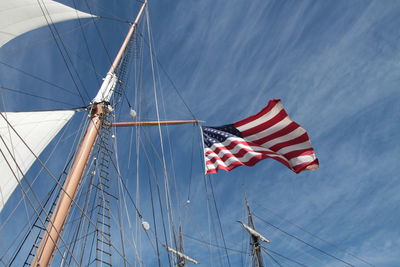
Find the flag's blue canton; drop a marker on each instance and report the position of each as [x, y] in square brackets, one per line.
[219, 134]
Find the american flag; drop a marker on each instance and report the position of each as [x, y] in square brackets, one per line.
[271, 133]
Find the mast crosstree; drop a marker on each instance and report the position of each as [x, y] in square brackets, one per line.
[255, 239]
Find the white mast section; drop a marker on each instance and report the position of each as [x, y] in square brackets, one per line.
[20, 16]
[110, 81]
[36, 129]
[254, 232]
[180, 254]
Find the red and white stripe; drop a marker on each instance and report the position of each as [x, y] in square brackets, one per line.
[271, 133]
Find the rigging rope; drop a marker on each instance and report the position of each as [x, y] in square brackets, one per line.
[37, 96]
[48, 171]
[219, 218]
[38, 78]
[86, 43]
[54, 33]
[99, 34]
[27, 197]
[29, 189]
[266, 252]
[314, 235]
[285, 257]
[304, 242]
[44, 203]
[164, 164]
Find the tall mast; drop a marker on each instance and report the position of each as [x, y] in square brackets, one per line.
[180, 260]
[254, 241]
[48, 244]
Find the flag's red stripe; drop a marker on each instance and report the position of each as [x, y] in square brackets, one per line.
[298, 140]
[271, 105]
[234, 143]
[242, 152]
[301, 167]
[288, 129]
[235, 164]
[268, 124]
[297, 153]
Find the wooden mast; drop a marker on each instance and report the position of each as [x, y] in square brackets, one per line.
[254, 241]
[48, 244]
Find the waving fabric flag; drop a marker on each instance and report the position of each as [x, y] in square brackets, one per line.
[268, 134]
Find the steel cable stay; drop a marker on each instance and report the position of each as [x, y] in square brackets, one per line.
[156, 178]
[215, 245]
[135, 245]
[126, 189]
[280, 255]
[241, 251]
[304, 242]
[164, 164]
[65, 55]
[273, 259]
[122, 200]
[38, 78]
[211, 226]
[111, 16]
[99, 34]
[131, 241]
[154, 222]
[168, 138]
[312, 234]
[170, 80]
[218, 216]
[158, 194]
[86, 44]
[70, 105]
[153, 173]
[301, 250]
[156, 154]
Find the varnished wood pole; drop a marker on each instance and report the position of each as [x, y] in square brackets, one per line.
[132, 30]
[150, 123]
[48, 244]
[54, 228]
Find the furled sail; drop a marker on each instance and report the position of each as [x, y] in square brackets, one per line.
[22, 133]
[20, 16]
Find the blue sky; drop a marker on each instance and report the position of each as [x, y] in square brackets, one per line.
[334, 64]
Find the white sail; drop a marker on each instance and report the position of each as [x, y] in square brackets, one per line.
[20, 16]
[36, 129]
